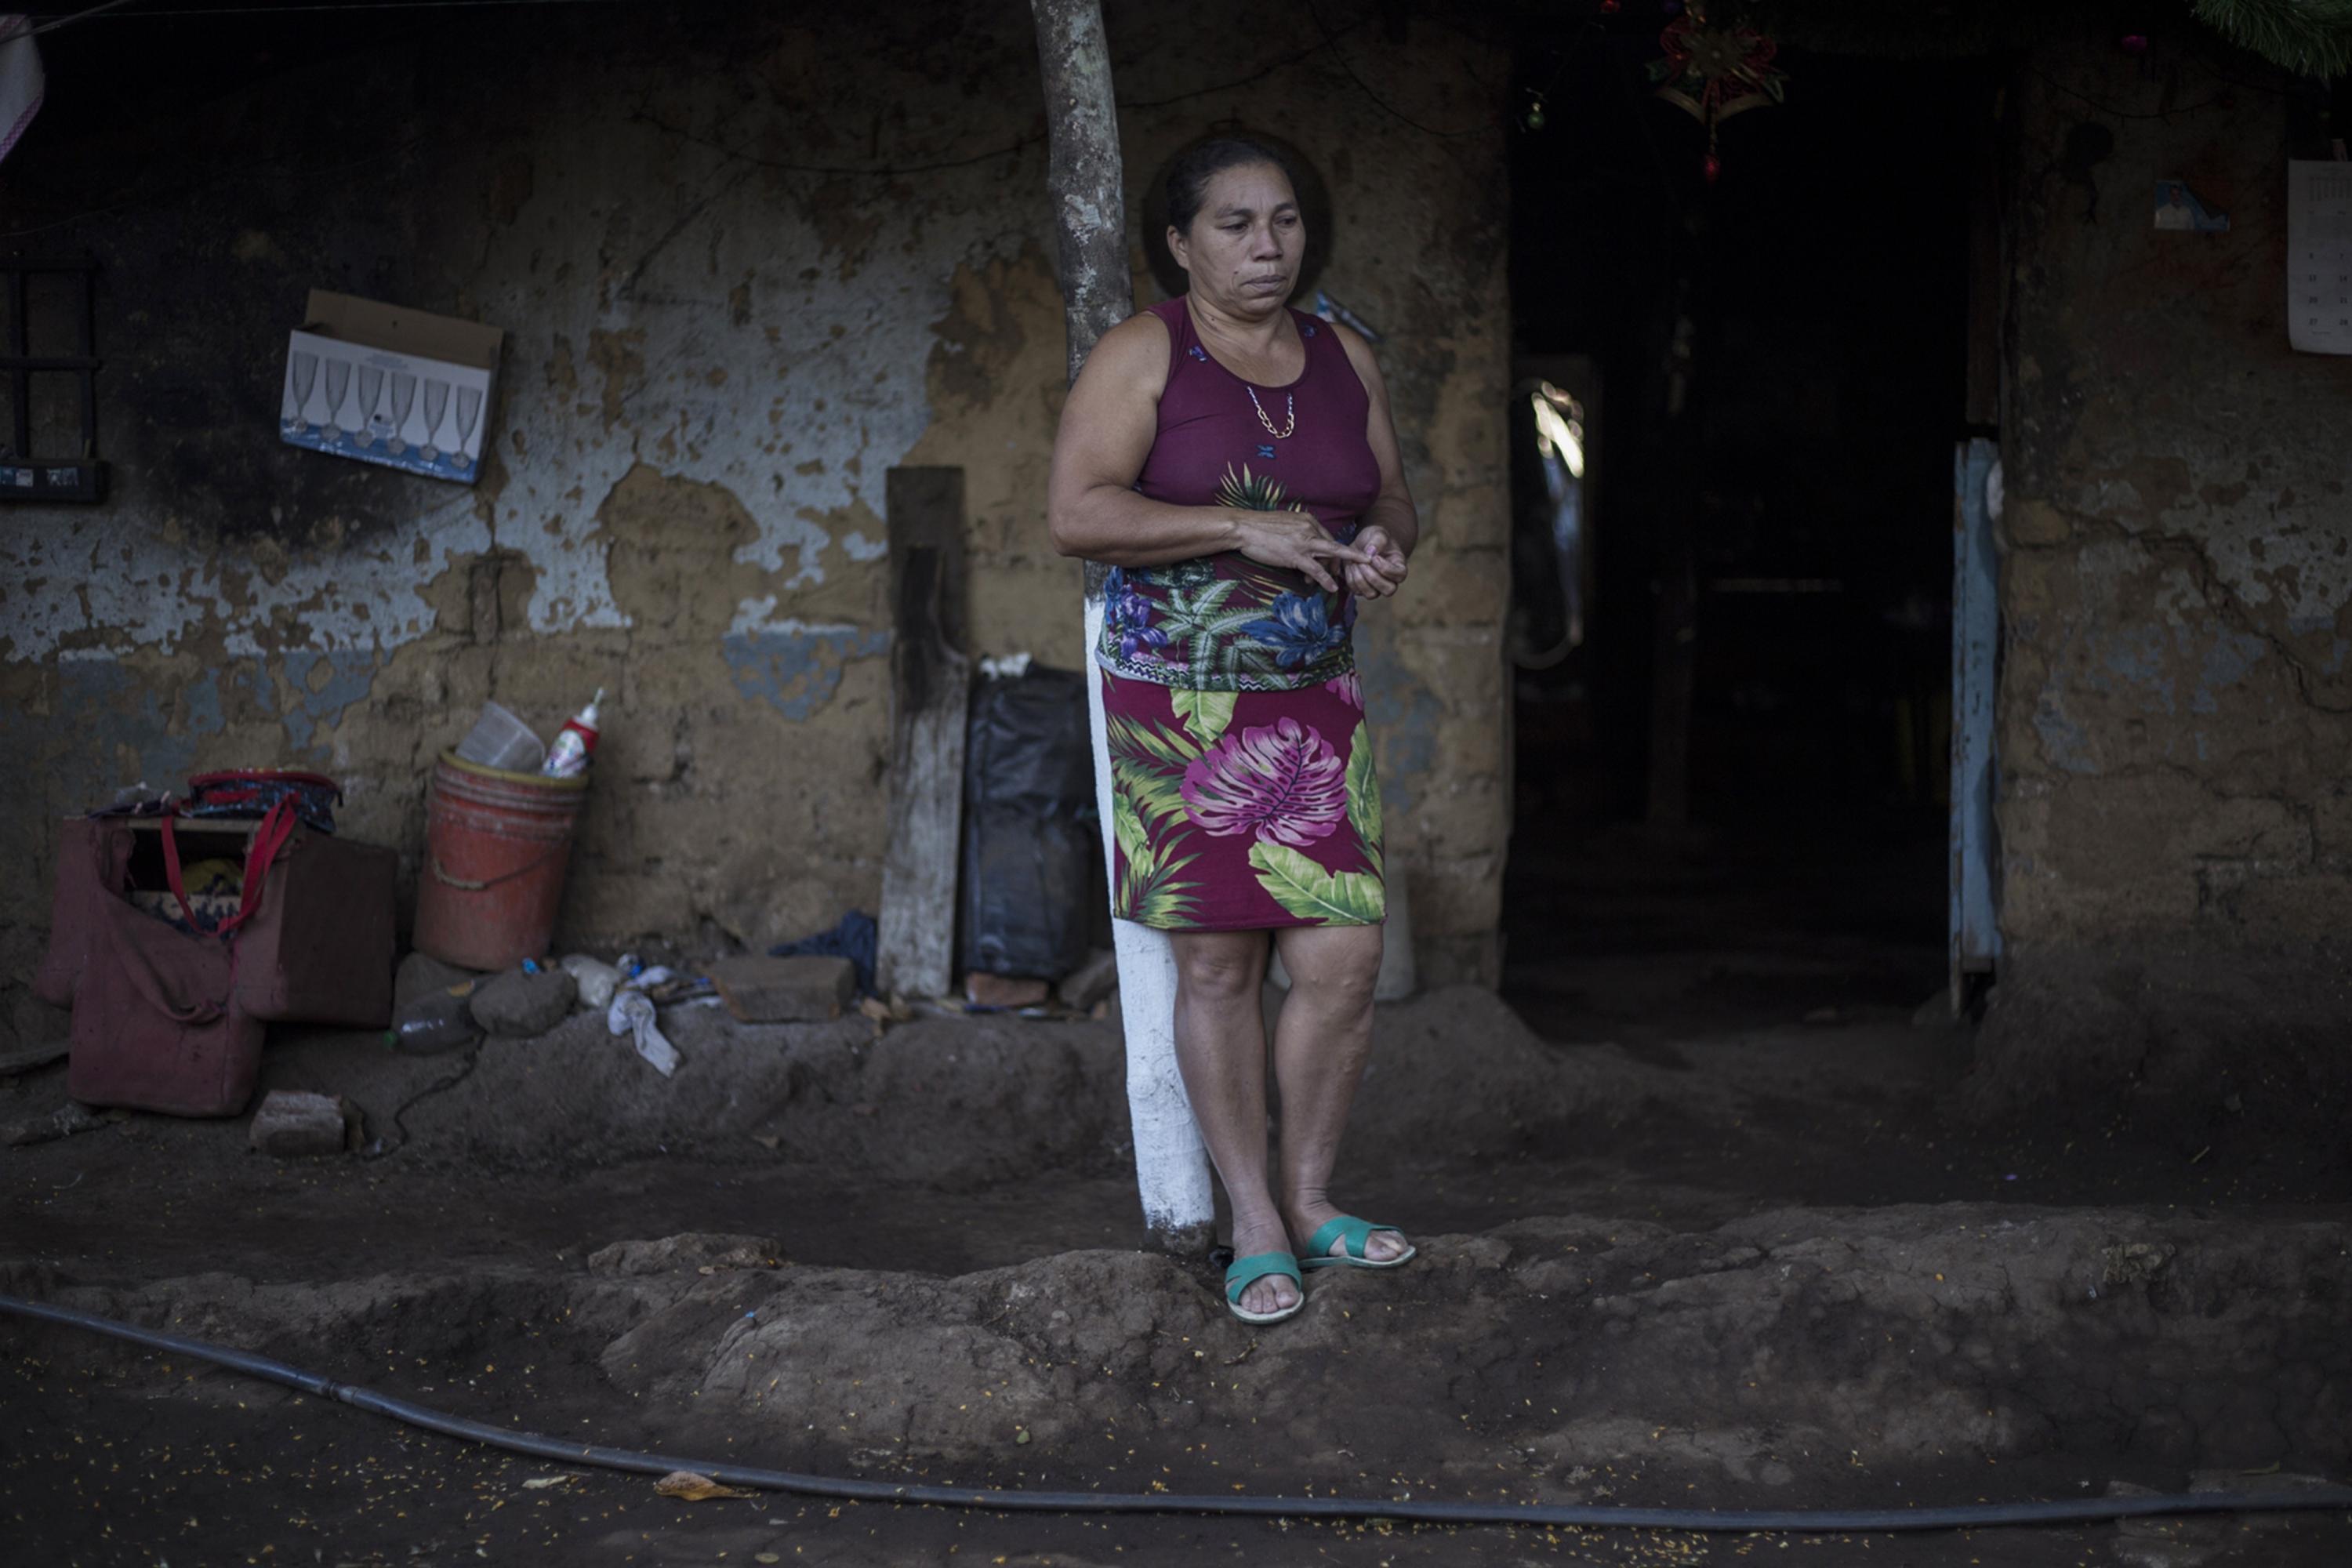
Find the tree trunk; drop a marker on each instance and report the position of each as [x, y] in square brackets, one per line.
[1088, 188]
[1086, 178]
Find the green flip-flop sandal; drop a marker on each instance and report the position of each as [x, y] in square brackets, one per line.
[1248, 1271]
[1318, 1254]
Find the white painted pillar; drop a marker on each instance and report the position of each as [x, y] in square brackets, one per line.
[1172, 1167]
[1087, 183]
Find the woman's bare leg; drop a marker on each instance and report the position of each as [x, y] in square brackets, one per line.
[1220, 1051]
[1321, 1042]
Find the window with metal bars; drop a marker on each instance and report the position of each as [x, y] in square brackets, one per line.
[51, 429]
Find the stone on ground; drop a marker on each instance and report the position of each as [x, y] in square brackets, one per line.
[30, 1058]
[63, 1123]
[422, 975]
[520, 1003]
[703, 1252]
[982, 989]
[803, 989]
[293, 1122]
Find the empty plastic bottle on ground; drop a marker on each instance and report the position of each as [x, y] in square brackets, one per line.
[436, 1021]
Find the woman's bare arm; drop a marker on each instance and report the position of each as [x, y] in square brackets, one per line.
[1391, 515]
[1108, 426]
[1394, 510]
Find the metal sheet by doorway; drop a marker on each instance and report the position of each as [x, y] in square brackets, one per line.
[1976, 633]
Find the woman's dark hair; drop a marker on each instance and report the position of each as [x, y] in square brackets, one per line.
[1173, 196]
[1188, 175]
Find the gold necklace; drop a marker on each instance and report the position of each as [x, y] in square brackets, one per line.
[1289, 413]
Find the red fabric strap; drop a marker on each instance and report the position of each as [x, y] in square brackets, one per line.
[276, 828]
[171, 874]
[268, 839]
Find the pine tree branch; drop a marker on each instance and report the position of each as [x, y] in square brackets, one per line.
[2311, 37]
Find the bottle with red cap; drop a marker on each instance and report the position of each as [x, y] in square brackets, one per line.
[568, 757]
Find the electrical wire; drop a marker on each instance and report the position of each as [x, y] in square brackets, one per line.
[69, 18]
[1266, 71]
[2052, 82]
[1968, 1516]
[887, 171]
[1331, 41]
[465, 1070]
[640, 116]
[737, 154]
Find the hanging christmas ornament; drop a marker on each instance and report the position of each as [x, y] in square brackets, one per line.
[1715, 72]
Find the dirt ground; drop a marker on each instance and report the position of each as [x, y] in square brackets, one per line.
[1736, 1259]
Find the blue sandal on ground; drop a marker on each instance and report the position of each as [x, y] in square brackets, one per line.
[1319, 1253]
[1248, 1271]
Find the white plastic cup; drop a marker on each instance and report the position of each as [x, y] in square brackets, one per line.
[500, 740]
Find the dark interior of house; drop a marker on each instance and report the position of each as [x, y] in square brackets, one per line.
[1733, 639]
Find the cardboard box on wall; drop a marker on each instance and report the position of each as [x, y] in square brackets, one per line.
[387, 385]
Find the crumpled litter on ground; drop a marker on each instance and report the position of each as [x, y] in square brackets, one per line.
[597, 979]
[631, 1013]
[690, 1486]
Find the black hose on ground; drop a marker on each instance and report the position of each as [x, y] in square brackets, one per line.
[1583, 1515]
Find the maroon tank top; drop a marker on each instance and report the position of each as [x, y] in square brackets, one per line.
[1222, 622]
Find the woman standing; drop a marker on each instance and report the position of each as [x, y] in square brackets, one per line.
[1234, 460]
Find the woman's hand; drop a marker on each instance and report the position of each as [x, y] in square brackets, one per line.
[1295, 540]
[1383, 573]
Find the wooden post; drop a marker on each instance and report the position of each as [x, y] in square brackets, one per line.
[1087, 183]
[930, 680]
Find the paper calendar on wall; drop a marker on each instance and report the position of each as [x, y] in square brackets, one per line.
[2319, 257]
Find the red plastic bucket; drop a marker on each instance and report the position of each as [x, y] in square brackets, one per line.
[496, 847]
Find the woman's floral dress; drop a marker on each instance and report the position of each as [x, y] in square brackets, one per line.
[1243, 792]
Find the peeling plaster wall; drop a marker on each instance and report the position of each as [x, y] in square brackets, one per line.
[2177, 698]
[716, 350]
[2174, 719]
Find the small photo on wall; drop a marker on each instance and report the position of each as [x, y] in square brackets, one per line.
[2177, 206]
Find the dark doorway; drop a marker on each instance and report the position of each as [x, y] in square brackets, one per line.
[1732, 699]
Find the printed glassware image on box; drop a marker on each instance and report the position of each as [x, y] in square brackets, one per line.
[387, 385]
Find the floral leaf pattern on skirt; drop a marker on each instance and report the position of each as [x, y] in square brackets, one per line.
[1205, 713]
[1364, 793]
[1281, 781]
[1146, 808]
[1202, 783]
[1147, 883]
[1308, 891]
[1148, 763]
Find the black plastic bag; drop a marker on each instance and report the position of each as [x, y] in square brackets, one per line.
[1029, 833]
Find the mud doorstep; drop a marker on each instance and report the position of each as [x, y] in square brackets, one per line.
[1584, 1516]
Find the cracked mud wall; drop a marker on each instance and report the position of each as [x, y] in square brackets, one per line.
[719, 342]
[2176, 697]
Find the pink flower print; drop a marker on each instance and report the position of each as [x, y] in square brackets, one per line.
[1283, 781]
[1347, 689]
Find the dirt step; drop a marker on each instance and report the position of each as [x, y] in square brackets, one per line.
[1800, 1346]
